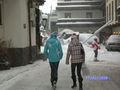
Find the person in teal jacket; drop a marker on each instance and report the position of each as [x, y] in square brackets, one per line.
[53, 51]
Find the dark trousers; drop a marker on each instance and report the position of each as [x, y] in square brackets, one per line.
[54, 70]
[73, 68]
[96, 53]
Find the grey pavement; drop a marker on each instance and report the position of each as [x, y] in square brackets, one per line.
[6, 75]
[37, 77]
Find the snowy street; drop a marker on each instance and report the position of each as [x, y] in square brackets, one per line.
[37, 76]
[39, 39]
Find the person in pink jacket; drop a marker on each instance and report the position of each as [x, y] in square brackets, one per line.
[95, 46]
[77, 54]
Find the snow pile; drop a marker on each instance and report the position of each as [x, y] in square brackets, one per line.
[84, 36]
[65, 35]
[84, 6]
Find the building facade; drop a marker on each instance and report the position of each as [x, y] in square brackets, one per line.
[18, 28]
[80, 15]
[53, 20]
[113, 15]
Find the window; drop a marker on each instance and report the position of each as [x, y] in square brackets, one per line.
[67, 15]
[89, 15]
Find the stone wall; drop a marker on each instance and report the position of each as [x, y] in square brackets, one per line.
[21, 56]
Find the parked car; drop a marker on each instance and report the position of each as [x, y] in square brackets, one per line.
[113, 43]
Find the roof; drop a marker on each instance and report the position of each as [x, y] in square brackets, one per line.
[79, 6]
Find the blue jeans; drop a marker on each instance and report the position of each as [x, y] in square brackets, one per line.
[54, 70]
[96, 53]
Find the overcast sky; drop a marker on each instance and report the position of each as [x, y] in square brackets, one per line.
[47, 6]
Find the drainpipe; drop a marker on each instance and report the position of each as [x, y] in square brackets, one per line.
[29, 25]
[97, 31]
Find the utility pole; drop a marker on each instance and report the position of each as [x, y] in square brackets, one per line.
[49, 27]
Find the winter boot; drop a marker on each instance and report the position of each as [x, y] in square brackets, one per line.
[95, 59]
[54, 81]
[80, 83]
[51, 81]
[74, 82]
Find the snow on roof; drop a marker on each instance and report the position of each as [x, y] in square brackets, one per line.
[79, 1]
[73, 23]
[79, 6]
[79, 18]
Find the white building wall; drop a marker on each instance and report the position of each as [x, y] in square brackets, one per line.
[24, 21]
[80, 13]
[16, 17]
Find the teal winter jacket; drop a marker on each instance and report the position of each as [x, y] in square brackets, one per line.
[53, 49]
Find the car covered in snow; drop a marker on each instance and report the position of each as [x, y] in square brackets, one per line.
[85, 38]
[113, 43]
[66, 33]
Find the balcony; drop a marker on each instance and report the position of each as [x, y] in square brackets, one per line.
[76, 22]
[79, 3]
[81, 19]
[78, 7]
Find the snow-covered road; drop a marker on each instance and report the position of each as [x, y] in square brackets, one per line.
[37, 75]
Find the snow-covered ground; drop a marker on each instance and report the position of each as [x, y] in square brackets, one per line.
[8, 78]
[103, 54]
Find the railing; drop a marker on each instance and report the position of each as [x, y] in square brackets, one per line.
[81, 19]
[80, 2]
[78, 7]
